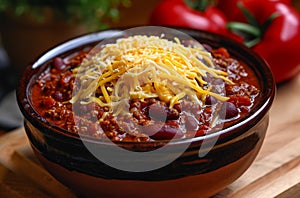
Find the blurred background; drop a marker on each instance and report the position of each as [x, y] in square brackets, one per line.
[30, 27]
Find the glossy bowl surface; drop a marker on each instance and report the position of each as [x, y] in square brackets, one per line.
[196, 172]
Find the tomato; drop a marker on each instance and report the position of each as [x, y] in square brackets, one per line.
[275, 39]
[179, 13]
[233, 13]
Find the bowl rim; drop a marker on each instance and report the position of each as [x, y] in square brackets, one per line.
[255, 115]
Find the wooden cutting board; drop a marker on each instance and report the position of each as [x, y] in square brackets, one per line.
[274, 173]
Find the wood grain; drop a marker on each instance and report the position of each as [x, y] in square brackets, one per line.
[16, 155]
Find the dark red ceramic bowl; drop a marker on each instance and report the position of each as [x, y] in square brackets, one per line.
[191, 174]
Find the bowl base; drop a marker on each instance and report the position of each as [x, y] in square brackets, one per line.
[205, 185]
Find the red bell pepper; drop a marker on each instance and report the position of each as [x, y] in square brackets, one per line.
[272, 29]
[192, 14]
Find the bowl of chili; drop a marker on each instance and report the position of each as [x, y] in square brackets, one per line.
[179, 132]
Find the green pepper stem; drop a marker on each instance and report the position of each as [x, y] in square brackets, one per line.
[252, 31]
[252, 42]
[199, 5]
[249, 16]
[244, 27]
[268, 22]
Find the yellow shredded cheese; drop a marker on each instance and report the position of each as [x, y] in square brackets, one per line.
[140, 67]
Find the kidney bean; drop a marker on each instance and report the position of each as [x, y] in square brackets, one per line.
[58, 63]
[167, 132]
[177, 107]
[157, 112]
[230, 109]
[191, 123]
[58, 96]
[172, 114]
[210, 100]
[151, 127]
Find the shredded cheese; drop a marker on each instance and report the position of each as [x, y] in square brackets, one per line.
[140, 67]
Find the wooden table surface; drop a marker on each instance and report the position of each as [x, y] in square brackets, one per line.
[274, 173]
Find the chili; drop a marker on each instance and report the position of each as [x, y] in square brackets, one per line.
[53, 91]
